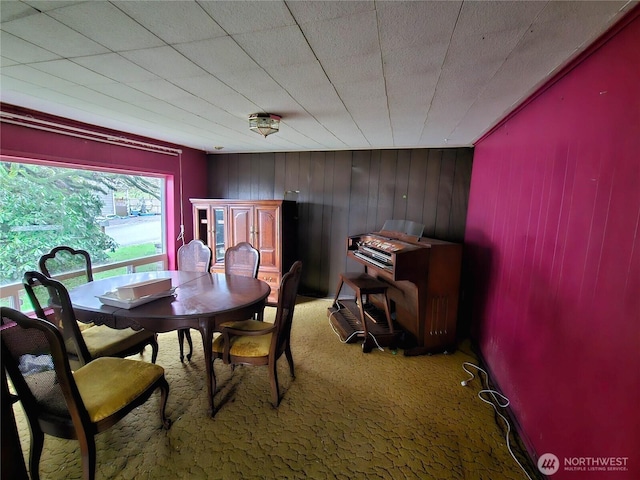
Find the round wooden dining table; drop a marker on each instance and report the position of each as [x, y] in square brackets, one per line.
[202, 301]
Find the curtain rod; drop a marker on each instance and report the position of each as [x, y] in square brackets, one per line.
[47, 126]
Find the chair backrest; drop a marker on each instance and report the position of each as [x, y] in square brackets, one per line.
[49, 294]
[63, 260]
[286, 304]
[35, 358]
[195, 256]
[242, 259]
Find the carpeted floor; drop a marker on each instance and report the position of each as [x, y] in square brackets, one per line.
[347, 415]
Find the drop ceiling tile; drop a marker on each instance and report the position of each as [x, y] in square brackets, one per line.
[473, 51]
[218, 55]
[301, 75]
[411, 24]
[478, 18]
[165, 62]
[362, 91]
[250, 83]
[248, 16]
[356, 68]
[68, 70]
[6, 62]
[22, 51]
[160, 89]
[212, 90]
[175, 22]
[40, 29]
[343, 37]
[263, 46]
[48, 5]
[205, 86]
[14, 10]
[414, 60]
[104, 23]
[319, 100]
[314, 135]
[32, 76]
[116, 67]
[122, 92]
[305, 12]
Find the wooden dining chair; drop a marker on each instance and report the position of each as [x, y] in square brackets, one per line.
[242, 259]
[195, 256]
[253, 342]
[69, 266]
[73, 267]
[48, 294]
[71, 404]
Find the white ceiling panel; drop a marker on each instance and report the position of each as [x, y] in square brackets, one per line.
[14, 10]
[342, 74]
[306, 12]
[217, 55]
[409, 24]
[175, 22]
[248, 15]
[68, 70]
[360, 68]
[260, 46]
[343, 37]
[31, 75]
[41, 30]
[21, 51]
[165, 62]
[108, 26]
[116, 67]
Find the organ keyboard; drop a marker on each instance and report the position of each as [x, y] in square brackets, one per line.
[423, 277]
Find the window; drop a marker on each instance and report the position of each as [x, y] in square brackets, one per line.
[118, 218]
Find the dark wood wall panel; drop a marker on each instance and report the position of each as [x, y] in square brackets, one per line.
[349, 192]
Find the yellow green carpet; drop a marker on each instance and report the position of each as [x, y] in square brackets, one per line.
[347, 415]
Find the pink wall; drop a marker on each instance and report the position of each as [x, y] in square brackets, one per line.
[26, 144]
[553, 235]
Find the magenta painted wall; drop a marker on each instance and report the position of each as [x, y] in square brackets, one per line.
[26, 144]
[553, 242]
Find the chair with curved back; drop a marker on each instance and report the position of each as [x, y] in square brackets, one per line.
[71, 404]
[194, 256]
[242, 259]
[73, 267]
[83, 346]
[64, 264]
[253, 342]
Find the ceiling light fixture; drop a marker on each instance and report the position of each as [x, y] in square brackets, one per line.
[264, 123]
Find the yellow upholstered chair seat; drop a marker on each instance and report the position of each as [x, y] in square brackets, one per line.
[253, 346]
[103, 341]
[102, 389]
[253, 342]
[66, 404]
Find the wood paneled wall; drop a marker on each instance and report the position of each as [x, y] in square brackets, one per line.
[350, 192]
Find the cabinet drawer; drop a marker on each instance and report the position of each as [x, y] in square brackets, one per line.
[273, 279]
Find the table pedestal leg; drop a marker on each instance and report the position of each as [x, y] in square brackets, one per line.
[206, 331]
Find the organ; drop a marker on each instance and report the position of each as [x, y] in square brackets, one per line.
[422, 276]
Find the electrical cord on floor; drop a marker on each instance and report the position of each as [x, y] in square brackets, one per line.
[495, 399]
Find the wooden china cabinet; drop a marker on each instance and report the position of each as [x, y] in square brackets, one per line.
[268, 225]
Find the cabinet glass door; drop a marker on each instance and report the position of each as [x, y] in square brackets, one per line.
[218, 237]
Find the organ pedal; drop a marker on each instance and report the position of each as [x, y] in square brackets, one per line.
[359, 318]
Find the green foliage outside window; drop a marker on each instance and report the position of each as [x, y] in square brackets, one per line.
[42, 207]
